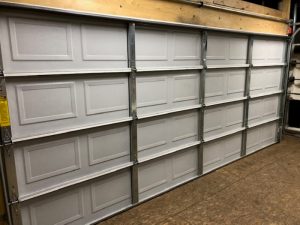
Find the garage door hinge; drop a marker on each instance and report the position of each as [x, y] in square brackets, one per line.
[134, 116]
[5, 137]
[15, 201]
[279, 130]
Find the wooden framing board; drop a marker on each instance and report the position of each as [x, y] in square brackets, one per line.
[166, 10]
[250, 7]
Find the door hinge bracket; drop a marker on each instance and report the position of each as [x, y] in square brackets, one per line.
[15, 201]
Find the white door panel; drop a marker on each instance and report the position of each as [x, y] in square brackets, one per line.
[158, 135]
[261, 136]
[224, 84]
[80, 204]
[222, 119]
[166, 48]
[226, 49]
[263, 109]
[165, 91]
[264, 81]
[161, 174]
[52, 162]
[41, 106]
[268, 51]
[50, 46]
[221, 151]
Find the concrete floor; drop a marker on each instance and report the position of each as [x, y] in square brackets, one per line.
[263, 188]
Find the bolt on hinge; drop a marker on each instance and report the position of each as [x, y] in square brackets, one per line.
[5, 136]
[15, 201]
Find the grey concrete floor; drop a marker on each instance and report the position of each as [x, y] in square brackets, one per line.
[263, 188]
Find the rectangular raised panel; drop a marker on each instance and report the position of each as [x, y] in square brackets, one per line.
[164, 91]
[221, 151]
[233, 146]
[44, 45]
[262, 109]
[223, 118]
[224, 49]
[214, 85]
[187, 46]
[265, 80]
[257, 81]
[106, 95]
[273, 79]
[110, 191]
[237, 48]
[255, 109]
[211, 155]
[216, 47]
[46, 102]
[161, 47]
[53, 162]
[260, 50]
[104, 42]
[235, 82]
[276, 50]
[40, 40]
[213, 119]
[61, 209]
[51, 159]
[185, 88]
[152, 134]
[39, 106]
[234, 115]
[185, 126]
[271, 106]
[163, 173]
[224, 84]
[268, 51]
[152, 175]
[261, 136]
[184, 163]
[151, 45]
[253, 138]
[158, 135]
[108, 144]
[269, 132]
[151, 91]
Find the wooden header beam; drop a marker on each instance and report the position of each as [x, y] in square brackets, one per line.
[176, 11]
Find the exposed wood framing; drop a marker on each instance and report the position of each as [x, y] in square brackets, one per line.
[250, 7]
[168, 10]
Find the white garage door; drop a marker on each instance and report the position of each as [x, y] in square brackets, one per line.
[106, 114]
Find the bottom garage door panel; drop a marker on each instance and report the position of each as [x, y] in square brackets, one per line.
[161, 174]
[82, 204]
[261, 136]
[221, 151]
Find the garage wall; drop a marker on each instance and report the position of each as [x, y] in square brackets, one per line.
[106, 114]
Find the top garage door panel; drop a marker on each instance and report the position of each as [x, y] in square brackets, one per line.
[267, 51]
[226, 49]
[157, 47]
[35, 45]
